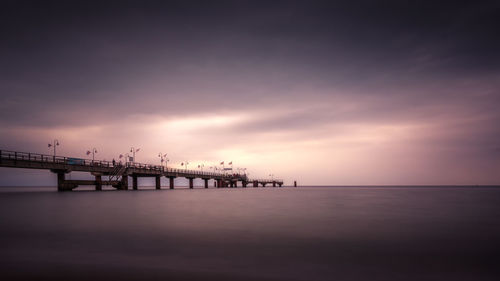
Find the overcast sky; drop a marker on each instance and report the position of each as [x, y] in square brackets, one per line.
[322, 92]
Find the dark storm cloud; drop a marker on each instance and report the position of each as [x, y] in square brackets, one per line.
[99, 57]
[120, 72]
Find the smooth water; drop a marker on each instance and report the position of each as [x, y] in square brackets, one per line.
[315, 233]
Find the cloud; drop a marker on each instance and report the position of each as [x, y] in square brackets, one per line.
[333, 92]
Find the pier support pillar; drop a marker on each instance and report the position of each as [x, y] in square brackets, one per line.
[244, 183]
[62, 184]
[280, 184]
[124, 183]
[158, 185]
[206, 183]
[215, 183]
[171, 182]
[60, 181]
[295, 183]
[218, 183]
[190, 183]
[134, 182]
[264, 184]
[98, 182]
[274, 184]
[255, 184]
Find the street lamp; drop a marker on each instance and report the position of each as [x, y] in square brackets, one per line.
[223, 167]
[185, 164]
[124, 156]
[201, 166]
[93, 151]
[272, 176]
[54, 144]
[133, 150]
[163, 157]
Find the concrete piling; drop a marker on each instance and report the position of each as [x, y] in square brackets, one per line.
[116, 174]
[157, 182]
[98, 182]
[134, 182]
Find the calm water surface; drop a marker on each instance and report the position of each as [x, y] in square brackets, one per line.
[316, 233]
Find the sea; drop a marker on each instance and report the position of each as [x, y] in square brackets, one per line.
[303, 233]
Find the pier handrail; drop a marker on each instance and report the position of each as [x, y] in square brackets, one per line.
[38, 157]
[44, 158]
[267, 180]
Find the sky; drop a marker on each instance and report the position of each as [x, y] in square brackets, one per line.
[322, 92]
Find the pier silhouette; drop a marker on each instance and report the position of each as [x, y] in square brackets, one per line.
[117, 175]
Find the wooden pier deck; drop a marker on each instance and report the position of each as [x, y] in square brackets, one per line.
[117, 174]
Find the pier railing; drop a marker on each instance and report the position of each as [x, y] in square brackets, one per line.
[266, 180]
[36, 157]
[43, 158]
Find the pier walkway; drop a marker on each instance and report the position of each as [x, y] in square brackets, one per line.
[117, 174]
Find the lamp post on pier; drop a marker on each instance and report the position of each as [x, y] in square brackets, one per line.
[223, 167]
[54, 144]
[185, 164]
[93, 151]
[134, 150]
[162, 157]
[126, 156]
[200, 166]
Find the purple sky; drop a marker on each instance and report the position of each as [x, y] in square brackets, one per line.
[351, 92]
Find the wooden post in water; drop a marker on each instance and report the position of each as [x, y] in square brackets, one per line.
[158, 185]
[171, 182]
[124, 183]
[134, 182]
[60, 181]
[98, 182]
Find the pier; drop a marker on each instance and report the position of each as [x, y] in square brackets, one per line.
[117, 175]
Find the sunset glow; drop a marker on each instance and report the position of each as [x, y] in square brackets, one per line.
[321, 110]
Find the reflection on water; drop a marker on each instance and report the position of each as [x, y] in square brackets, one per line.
[351, 233]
